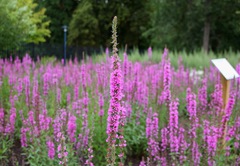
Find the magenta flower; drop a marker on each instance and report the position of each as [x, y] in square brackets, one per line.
[173, 115]
[23, 137]
[44, 122]
[163, 161]
[1, 120]
[216, 103]
[84, 77]
[68, 98]
[164, 55]
[101, 103]
[58, 124]
[51, 149]
[202, 95]
[45, 84]
[85, 128]
[148, 123]
[142, 163]
[76, 92]
[62, 150]
[212, 145]
[164, 141]
[173, 126]
[90, 156]
[150, 52]
[35, 95]
[125, 65]
[59, 95]
[72, 128]
[20, 86]
[191, 105]
[116, 96]
[122, 141]
[12, 119]
[228, 110]
[152, 135]
[227, 152]
[227, 114]
[116, 114]
[192, 111]
[183, 145]
[27, 89]
[166, 94]
[206, 132]
[107, 52]
[196, 155]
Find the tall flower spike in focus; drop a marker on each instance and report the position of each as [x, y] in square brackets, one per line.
[115, 109]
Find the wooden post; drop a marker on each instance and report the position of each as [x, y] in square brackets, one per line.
[225, 91]
[227, 73]
[225, 97]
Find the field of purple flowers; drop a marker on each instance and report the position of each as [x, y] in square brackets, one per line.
[116, 113]
[60, 114]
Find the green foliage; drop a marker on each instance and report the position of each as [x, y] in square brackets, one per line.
[21, 23]
[39, 26]
[5, 93]
[41, 30]
[83, 27]
[135, 136]
[198, 59]
[12, 23]
[38, 155]
[179, 24]
[5, 149]
[48, 59]
[90, 23]
[176, 24]
[59, 13]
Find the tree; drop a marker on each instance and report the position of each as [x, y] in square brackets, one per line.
[225, 25]
[206, 30]
[11, 24]
[175, 25]
[40, 25]
[91, 22]
[195, 24]
[20, 23]
[83, 27]
[59, 12]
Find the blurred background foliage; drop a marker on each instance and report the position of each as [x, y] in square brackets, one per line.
[187, 25]
[22, 21]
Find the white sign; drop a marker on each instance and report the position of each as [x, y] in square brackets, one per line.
[225, 68]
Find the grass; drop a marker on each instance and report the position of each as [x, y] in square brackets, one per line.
[198, 59]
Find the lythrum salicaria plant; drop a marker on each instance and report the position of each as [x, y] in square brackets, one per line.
[115, 111]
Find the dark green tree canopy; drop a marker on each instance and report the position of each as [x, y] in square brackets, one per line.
[59, 12]
[180, 24]
[91, 25]
[177, 24]
[22, 22]
[83, 27]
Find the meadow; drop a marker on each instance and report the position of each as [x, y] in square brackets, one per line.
[169, 114]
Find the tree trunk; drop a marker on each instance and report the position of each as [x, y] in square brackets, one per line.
[206, 33]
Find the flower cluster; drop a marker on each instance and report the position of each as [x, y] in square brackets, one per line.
[115, 111]
[173, 126]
